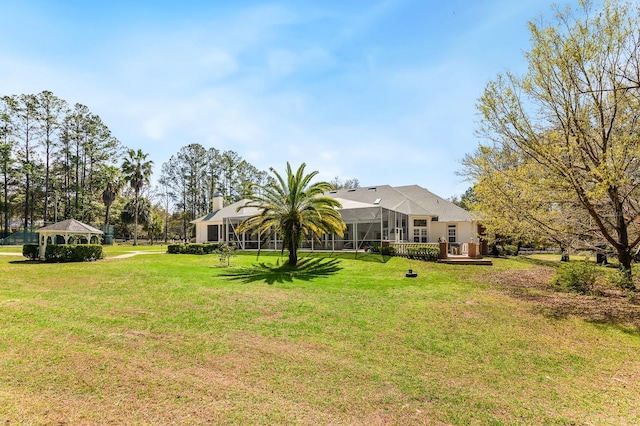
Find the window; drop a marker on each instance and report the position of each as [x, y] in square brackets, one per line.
[212, 233]
[424, 235]
[419, 222]
[416, 235]
[452, 233]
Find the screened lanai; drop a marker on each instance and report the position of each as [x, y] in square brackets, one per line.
[367, 224]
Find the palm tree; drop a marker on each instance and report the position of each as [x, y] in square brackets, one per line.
[137, 171]
[112, 181]
[293, 208]
[153, 226]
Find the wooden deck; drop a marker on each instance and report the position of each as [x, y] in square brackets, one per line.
[465, 260]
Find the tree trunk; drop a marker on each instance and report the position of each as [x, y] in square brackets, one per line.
[166, 227]
[6, 205]
[135, 222]
[293, 255]
[45, 215]
[292, 243]
[106, 217]
[626, 259]
[26, 203]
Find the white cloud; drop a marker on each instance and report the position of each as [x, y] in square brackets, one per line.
[283, 62]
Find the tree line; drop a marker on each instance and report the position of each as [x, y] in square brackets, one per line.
[53, 158]
[195, 175]
[60, 161]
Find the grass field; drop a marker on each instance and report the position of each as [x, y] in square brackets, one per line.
[178, 339]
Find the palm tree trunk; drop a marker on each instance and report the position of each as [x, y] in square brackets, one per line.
[135, 222]
[293, 256]
[106, 217]
[293, 248]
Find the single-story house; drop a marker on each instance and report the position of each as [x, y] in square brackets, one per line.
[373, 215]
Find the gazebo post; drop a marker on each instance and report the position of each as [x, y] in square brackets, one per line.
[43, 245]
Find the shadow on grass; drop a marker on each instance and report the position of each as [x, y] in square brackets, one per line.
[361, 256]
[26, 262]
[307, 269]
[611, 307]
[539, 262]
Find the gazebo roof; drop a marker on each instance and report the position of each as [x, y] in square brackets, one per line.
[71, 226]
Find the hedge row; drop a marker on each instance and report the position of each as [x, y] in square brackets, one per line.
[384, 250]
[31, 251]
[193, 248]
[430, 254]
[388, 251]
[64, 252]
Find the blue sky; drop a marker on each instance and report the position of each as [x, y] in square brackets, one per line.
[383, 91]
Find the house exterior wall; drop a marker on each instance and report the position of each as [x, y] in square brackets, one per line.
[464, 231]
[467, 232]
[367, 233]
[202, 232]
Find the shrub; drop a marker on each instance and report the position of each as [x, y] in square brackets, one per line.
[388, 251]
[431, 254]
[175, 248]
[423, 253]
[503, 249]
[578, 277]
[58, 253]
[86, 252]
[434, 254]
[193, 248]
[509, 250]
[226, 252]
[72, 253]
[31, 251]
[622, 279]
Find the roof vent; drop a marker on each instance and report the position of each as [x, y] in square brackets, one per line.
[333, 192]
[377, 201]
[351, 190]
[373, 188]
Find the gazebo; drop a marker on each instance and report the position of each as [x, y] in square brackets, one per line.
[65, 230]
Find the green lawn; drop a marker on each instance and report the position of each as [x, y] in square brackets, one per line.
[10, 249]
[177, 339]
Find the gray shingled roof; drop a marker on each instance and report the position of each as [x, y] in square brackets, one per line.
[229, 211]
[446, 210]
[410, 200]
[71, 226]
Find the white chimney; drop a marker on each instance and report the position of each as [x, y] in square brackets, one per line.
[218, 202]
